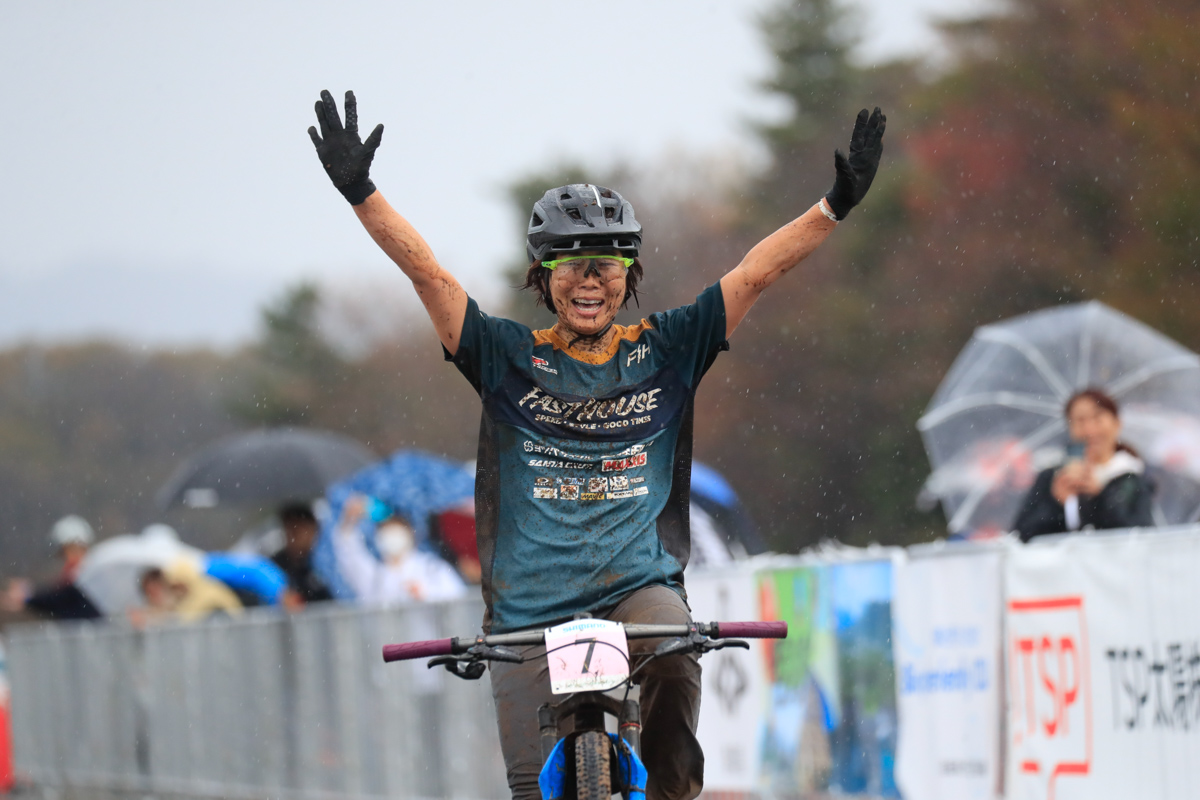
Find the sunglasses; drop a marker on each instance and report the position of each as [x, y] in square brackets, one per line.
[608, 267]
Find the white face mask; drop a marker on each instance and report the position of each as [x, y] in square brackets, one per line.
[394, 540]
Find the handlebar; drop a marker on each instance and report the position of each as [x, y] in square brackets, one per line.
[427, 649]
[457, 645]
[750, 630]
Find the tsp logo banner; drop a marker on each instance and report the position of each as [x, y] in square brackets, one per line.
[1050, 694]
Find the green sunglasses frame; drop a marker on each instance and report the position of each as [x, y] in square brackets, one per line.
[628, 262]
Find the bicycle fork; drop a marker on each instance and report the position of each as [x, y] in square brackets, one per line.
[588, 710]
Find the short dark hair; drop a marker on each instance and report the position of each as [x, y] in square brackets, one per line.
[296, 512]
[537, 278]
[151, 575]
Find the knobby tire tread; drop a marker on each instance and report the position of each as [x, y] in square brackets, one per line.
[593, 780]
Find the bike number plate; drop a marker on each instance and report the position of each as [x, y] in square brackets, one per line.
[587, 655]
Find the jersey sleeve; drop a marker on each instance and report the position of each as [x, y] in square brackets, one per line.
[694, 334]
[486, 346]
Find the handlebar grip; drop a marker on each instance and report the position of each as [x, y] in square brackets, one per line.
[751, 630]
[433, 647]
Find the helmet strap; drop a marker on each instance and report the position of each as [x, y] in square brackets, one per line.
[590, 338]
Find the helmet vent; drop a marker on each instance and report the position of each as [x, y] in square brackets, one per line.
[609, 212]
[573, 213]
[536, 221]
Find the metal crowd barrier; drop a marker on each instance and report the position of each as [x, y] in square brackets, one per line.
[266, 706]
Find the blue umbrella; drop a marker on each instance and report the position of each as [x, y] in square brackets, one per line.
[711, 492]
[709, 483]
[413, 484]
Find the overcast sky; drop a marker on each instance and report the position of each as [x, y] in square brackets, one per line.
[159, 186]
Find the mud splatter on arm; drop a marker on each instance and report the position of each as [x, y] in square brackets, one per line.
[443, 297]
[769, 260]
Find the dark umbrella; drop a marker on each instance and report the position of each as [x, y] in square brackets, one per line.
[264, 466]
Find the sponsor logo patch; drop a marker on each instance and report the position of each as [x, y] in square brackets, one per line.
[568, 492]
[545, 493]
[617, 482]
[597, 484]
[544, 365]
[591, 496]
[620, 464]
[641, 490]
[620, 495]
[543, 481]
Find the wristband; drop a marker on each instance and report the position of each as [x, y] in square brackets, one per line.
[827, 211]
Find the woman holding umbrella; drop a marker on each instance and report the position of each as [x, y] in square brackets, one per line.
[1103, 485]
[585, 444]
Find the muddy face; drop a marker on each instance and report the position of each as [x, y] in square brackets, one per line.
[586, 304]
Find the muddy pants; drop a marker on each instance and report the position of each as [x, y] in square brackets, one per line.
[670, 702]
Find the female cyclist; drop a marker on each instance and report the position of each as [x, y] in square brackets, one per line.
[586, 438]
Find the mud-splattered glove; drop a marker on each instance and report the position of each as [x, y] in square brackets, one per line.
[346, 158]
[854, 174]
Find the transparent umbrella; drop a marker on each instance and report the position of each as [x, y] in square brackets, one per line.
[996, 420]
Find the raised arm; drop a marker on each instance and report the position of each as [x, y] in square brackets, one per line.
[347, 161]
[774, 256]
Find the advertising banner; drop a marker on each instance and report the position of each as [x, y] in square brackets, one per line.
[830, 723]
[1102, 646]
[733, 684]
[946, 613]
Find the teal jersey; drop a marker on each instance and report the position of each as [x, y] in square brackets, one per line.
[584, 465]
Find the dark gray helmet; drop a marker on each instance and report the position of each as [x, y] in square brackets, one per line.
[582, 217]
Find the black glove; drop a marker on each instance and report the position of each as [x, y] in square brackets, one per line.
[345, 157]
[854, 174]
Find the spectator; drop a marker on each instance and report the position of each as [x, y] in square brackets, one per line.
[405, 574]
[454, 533]
[295, 559]
[180, 593]
[62, 599]
[1103, 486]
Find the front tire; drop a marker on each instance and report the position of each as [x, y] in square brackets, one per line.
[593, 780]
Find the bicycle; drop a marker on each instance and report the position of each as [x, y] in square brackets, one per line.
[591, 658]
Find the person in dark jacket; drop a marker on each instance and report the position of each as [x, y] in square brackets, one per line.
[1105, 487]
[62, 599]
[295, 559]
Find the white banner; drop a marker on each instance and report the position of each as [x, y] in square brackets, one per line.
[1103, 663]
[946, 612]
[733, 688]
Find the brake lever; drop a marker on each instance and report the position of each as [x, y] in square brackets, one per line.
[469, 665]
[465, 667]
[721, 644]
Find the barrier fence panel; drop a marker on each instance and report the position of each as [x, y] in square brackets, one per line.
[1103, 647]
[263, 706]
[946, 615]
[76, 704]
